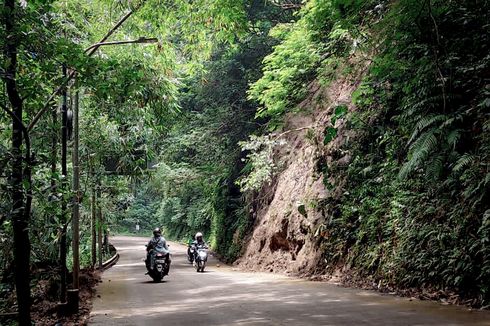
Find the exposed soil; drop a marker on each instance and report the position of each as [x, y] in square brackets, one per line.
[44, 310]
[285, 234]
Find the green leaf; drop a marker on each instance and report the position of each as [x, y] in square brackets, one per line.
[330, 133]
[302, 209]
[341, 110]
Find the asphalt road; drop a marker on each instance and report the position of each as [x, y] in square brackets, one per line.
[223, 296]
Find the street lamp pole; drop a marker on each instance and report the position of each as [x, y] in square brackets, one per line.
[74, 293]
[140, 40]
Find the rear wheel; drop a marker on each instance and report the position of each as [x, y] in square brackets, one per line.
[158, 272]
[156, 276]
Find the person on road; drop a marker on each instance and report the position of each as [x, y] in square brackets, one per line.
[198, 243]
[190, 250]
[158, 244]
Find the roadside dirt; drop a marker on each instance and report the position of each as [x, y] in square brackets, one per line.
[44, 309]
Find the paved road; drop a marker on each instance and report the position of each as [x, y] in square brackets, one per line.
[222, 296]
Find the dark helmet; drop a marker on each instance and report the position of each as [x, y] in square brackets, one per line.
[157, 232]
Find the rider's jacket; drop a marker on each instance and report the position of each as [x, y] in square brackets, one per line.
[159, 244]
[200, 244]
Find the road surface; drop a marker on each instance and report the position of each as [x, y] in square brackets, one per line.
[223, 296]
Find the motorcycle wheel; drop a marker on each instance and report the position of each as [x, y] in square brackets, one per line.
[198, 266]
[157, 277]
[202, 266]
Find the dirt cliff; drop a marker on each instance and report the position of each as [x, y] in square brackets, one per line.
[285, 236]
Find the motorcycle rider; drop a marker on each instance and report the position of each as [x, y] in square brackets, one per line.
[159, 244]
[198, 243]
[190, 249]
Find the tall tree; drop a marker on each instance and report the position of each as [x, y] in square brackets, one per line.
[20, 202]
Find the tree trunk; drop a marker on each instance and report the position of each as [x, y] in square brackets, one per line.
[20, 208]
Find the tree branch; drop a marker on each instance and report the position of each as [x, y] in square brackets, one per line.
[284, 133]
[287, 5]
[90, 51]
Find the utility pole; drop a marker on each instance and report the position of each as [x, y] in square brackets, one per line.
[73, 297]
[99, 223]
[73, 294]
[90, 51]
[93, 217]
[54, 155]
[63, 247]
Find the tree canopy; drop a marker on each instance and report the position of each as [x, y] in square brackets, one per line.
[183, 106]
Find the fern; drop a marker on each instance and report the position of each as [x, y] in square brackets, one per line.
[486, 125]
[452, 120]
[435, 167]
[453, 138]
[463, 162]
[425, 122]
[429, 102]
[420, 151]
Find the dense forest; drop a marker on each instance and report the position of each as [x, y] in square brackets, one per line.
[349, 136]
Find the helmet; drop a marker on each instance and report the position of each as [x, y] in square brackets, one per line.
[157, 232]
[198, 236]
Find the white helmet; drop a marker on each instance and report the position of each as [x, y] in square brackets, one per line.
[198, 235]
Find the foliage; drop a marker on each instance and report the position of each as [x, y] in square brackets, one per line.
[200, 159]
[330, 132]
[414, 208]
[285, 71]
[308, 48]
[197, 169]
[260, 166]
[164, 126]
[127, 106]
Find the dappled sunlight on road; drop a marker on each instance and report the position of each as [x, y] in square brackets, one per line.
[127, 265]
[222, 296]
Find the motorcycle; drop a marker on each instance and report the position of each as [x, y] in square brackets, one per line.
[201, 259]
[158, 266]
[191, 252]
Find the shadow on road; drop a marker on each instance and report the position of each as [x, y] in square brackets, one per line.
[220, 296]
[152, 282]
